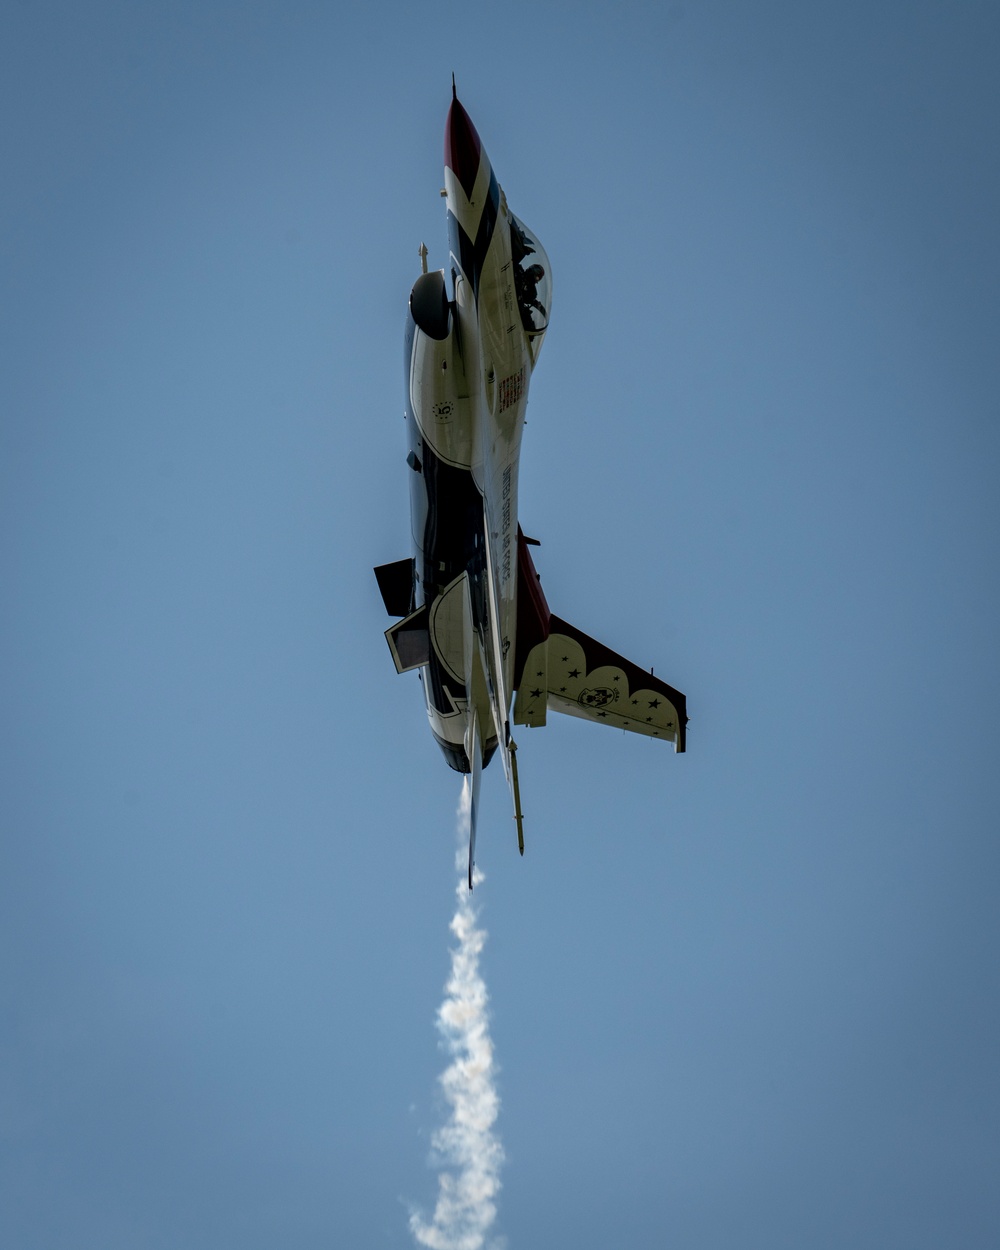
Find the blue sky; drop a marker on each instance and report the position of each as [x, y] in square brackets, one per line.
[742, 997]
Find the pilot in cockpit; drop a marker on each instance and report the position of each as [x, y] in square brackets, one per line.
[526, 281]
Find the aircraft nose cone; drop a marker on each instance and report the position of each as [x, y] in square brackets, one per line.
[462, 147]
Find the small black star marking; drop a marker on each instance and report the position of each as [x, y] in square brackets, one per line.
[635, 702]
[574, 672]
[617, 677]
[654, 703]
[565, 659]
[602, 713]
[536, 694]
[562, 689]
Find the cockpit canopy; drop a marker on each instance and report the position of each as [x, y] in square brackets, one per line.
[532, 281]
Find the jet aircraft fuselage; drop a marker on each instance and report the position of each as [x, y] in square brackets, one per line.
[475, 622]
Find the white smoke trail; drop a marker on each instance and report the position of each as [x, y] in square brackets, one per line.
[469, 1152]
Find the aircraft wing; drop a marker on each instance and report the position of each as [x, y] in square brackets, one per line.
[573, 673]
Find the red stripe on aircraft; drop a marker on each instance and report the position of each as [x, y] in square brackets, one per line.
[462, 147]
[533, 613]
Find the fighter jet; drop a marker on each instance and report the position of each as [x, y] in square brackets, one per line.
[475, 624]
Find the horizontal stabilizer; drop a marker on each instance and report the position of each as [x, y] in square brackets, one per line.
[410, 641]
[395, 583]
